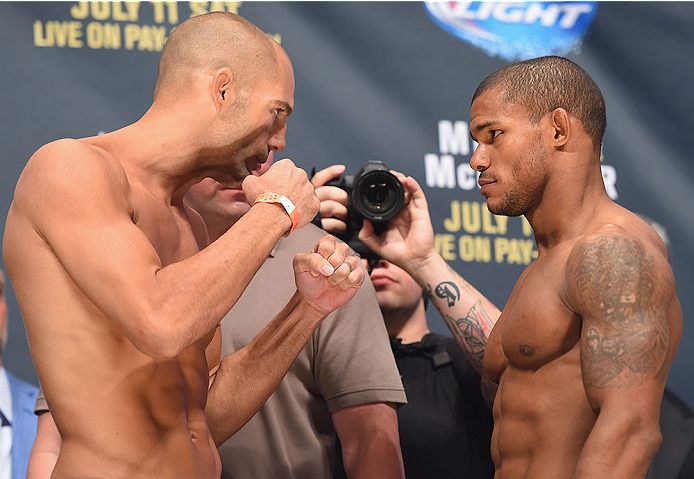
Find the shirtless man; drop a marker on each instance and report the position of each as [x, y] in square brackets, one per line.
[106, 262]
[583, 347]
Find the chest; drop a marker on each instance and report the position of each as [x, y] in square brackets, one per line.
[535, 327]
[167, 227]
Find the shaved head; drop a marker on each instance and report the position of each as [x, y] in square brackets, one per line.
[544, 84]
[216, 40]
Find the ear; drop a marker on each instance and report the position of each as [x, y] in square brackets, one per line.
[223, 87]
[561, 127]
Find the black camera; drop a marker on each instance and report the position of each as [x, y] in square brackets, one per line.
[373, 193]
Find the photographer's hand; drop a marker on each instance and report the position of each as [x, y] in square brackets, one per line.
[333, 200]
[408, 240]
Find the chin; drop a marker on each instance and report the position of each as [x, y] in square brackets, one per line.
[500, 210]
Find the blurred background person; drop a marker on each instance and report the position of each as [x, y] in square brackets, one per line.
[17, 400]
[447, 423]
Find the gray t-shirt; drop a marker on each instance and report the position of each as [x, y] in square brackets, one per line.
[347, 362]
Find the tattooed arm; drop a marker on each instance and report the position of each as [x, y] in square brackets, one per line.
[409, 243]
[623, 289]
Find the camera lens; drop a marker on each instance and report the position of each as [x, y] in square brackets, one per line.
[378, 195]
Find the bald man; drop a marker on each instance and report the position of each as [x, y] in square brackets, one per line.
[121, 306]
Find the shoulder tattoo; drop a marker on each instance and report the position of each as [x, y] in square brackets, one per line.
[620, 293]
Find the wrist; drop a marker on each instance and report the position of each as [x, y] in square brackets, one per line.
[282, 202]
[420, 268]
[276, 217]
[309, 310]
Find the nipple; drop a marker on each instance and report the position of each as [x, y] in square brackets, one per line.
[527, 350]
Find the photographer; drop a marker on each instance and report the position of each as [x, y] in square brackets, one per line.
[447, 423]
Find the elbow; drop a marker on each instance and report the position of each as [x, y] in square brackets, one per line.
[651, 438]
[156, 337]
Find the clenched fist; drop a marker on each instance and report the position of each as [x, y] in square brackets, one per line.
[285, 178]
[328, 277]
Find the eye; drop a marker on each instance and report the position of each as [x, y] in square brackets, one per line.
[495, 133]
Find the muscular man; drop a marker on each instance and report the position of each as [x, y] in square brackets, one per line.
[345, 373]
[106, 263]
[583, 347]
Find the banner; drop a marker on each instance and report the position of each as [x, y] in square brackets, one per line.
[390, 81]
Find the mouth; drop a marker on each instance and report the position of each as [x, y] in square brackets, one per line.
[381, 279]
[485, 182]
[256, 163]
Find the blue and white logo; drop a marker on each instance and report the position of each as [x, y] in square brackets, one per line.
[516, 30]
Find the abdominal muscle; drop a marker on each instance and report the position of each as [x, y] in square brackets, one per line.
[542, 419]
[142, 422]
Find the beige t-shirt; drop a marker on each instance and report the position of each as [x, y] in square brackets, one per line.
[347, 361]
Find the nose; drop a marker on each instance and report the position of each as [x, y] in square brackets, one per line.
[479, 161]
[277, 138]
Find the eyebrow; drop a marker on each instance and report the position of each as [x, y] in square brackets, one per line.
[285, 106]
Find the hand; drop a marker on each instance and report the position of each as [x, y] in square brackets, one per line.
[329, 276]
[408, 240]
[333, 200]
[285, 178]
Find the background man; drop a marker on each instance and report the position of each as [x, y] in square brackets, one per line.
[447, 422]
[345, 372]
[582, 350]
[106, 263]
[16, 404]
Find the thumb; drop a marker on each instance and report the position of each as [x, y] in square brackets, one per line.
[368, 237]
[312, 263]
[249, 186]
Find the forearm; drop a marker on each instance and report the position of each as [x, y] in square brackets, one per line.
[190, 297]
[469, 315]
[247, 378]
[46, 449]
[619, 451]
[370, 441]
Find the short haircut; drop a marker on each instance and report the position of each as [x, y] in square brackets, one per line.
[215, 40]
[544, 84]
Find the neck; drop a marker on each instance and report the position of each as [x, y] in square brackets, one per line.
[568, 205]
[158, 150]
[409, 325]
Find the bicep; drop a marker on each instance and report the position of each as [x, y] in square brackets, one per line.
[82, 212]
[621, 291]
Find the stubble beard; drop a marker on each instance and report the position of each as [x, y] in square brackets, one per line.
[530, 178]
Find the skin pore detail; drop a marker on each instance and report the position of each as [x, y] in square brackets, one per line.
[617, 282]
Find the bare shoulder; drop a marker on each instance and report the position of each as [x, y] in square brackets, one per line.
[616, 257]
[67, 170]
[621, 285]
